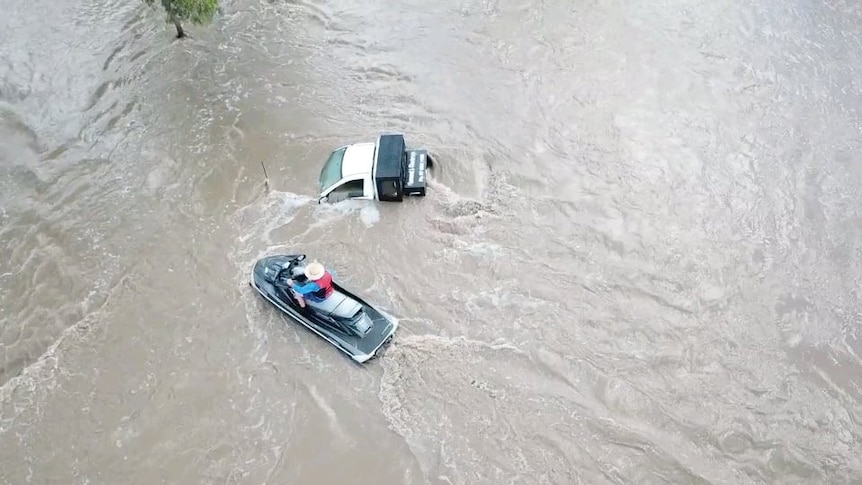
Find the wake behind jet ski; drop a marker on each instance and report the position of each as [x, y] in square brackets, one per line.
[345, 320]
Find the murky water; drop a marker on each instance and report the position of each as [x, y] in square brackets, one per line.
[638, 262]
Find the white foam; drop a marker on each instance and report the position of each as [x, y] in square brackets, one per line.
[486, 250]
[370, 215]
[258, 221]
[369, 212]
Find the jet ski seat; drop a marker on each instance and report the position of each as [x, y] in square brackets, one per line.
[337, 304]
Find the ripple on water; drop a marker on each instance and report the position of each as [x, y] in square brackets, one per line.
[506, 419]
[645, 232]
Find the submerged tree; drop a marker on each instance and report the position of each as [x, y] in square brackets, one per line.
[195, 11]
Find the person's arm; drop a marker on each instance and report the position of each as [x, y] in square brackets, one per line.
[305, 288]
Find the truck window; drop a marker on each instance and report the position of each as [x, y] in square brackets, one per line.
[331, 171]
[347, 190]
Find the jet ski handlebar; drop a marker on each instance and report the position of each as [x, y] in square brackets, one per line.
[289, 268]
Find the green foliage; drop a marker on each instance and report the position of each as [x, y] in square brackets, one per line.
[195, 11]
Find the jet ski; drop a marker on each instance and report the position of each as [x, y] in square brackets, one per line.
[344, 319]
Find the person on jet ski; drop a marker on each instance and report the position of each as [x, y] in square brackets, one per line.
[317, 288]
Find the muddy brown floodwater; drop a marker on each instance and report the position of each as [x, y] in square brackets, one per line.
[639, 260]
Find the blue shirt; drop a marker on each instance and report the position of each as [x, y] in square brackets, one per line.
[305, 288]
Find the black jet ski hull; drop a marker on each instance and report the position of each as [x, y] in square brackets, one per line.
[265, 279]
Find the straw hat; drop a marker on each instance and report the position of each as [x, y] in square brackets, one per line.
[314, 271]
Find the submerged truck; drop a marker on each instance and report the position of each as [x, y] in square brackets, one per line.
[385, 170]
